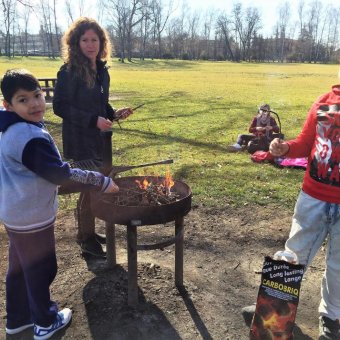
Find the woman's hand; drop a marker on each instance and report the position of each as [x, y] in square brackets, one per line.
[278, 148]
[103, 124]
[123, 113]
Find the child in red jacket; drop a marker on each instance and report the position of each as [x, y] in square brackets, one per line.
[317, 210]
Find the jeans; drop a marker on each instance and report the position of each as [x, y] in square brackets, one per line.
[314, 221]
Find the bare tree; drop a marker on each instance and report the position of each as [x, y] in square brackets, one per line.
[124, 15]
[117, 17]
[75, 9]
[145, 29]
[69, 10]
[323, 18]
[246, 24]
[332, 42]
[8, 10]
[151, 28]
[160, 20]
[24, 13]
[176, 36]
[223, 25]
[135, 16]
[312, 26]
[47, 11]
[284, 15]
[208, 22]
[193, 21]
[56, 28]
[301, 6]
[100, 10]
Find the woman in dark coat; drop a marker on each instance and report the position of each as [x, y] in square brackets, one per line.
[81, 99]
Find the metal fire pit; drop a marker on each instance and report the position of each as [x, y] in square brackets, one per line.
[137, 216]
[104, 208]
[134, 216]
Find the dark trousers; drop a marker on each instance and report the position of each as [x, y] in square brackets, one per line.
[245, 139]
[32, 267]
[85, 218]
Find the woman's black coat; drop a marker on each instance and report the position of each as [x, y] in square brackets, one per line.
[79, 106]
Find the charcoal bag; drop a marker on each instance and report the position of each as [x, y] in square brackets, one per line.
[277, 300]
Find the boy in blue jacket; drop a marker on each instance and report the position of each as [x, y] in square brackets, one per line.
[31, 170]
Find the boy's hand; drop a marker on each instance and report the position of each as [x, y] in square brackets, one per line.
[112, 188]
[278, 148]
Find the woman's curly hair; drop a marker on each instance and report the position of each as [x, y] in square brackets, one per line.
[72, 55]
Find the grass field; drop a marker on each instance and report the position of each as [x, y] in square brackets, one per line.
[194, 110]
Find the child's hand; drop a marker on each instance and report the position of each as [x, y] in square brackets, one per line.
[112, 188]
[278, 148]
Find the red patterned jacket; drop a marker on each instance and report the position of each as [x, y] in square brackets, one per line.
[319, 140]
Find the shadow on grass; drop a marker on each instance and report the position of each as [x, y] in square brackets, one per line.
[171, 139]
[159, 64]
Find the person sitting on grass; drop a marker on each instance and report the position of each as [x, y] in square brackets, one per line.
[30, 171]
[263, 127]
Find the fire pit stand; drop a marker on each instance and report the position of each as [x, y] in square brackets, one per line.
[134, 217]
[133, 247]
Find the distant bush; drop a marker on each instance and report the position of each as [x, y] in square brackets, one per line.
[204, 56]
[185, 56]
[168, 55]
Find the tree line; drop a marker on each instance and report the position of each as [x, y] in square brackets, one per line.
[162, 29]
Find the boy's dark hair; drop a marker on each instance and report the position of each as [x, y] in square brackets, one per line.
[16, 79]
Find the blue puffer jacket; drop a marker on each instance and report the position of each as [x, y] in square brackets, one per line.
[30, 171]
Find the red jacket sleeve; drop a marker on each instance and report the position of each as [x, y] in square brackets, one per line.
[302, 145]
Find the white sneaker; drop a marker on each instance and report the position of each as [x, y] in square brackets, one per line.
[63, 319]
[17, 330]
[235, 147]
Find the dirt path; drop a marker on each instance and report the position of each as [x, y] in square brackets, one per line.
[224, 248]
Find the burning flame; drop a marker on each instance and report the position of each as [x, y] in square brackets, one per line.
[143, 185]
[168, 181]
[167, 184]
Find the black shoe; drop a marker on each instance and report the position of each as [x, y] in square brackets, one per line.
[92, 247]
[329, 329]
[101, 238]
[248, 314]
